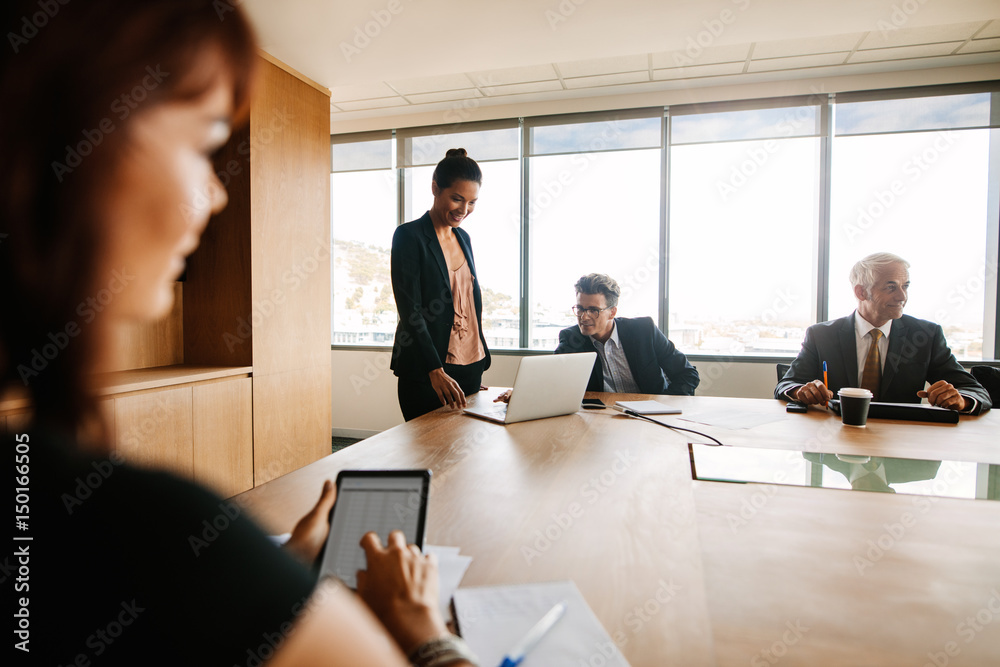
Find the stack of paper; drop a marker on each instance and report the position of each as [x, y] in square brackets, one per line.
[451, 566]
[492, 619]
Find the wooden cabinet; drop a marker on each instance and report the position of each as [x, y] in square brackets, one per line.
[222, 435]
[199, 426]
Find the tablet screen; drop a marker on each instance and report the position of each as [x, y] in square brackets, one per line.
[379, 501]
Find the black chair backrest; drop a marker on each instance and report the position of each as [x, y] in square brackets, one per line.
[989, 377]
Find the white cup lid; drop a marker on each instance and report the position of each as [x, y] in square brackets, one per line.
[855, 392]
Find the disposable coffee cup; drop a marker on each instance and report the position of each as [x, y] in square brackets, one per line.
[854, 404]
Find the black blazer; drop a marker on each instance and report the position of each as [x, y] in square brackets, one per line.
[917, 353]
[657, 366]
[422, 289]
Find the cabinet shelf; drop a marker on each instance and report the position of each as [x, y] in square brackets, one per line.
[121, 382]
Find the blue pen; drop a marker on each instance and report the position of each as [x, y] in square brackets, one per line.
[535, 634]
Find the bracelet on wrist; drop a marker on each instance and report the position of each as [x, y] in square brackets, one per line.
[441, 652]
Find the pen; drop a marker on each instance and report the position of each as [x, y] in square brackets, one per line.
[826, 381]
[535, 634]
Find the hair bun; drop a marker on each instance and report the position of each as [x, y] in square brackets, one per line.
[456, 152]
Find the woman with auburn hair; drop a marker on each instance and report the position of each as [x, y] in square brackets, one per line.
[111, 113]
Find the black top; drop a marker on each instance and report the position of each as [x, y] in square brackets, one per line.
[422, 289]
[134, 567]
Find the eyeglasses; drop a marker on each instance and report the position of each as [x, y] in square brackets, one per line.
[580, 311]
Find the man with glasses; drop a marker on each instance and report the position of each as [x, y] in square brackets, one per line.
[633, 355]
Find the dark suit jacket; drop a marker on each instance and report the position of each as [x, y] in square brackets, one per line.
[422, 289]
[917, 353]
[657, 366]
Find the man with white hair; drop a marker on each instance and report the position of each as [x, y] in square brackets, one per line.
[879, 348]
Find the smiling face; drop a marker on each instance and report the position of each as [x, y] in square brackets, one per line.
[162, 192]
[888, 295]
[455, 203]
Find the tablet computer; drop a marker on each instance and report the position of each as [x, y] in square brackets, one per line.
[372, 500]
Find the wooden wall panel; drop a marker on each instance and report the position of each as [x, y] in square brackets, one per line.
[154, 429]
[290, 220]
[291, 421]
[149, 344]
[290, 190]
[223, 435]
[217, 291]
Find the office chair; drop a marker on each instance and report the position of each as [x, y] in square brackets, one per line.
[989, 377]
[781, 369]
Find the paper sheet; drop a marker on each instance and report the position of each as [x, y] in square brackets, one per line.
[492, 619]
[451, 567]
[733, 420]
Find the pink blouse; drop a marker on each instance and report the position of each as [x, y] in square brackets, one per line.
[465, 347]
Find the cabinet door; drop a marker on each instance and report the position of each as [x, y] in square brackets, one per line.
[154, 430]
[223, 436]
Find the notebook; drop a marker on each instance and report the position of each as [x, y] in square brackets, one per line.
[544, 386]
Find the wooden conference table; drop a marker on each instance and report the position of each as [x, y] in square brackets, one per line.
[684, 572]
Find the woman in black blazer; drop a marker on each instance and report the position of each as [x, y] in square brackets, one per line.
[439, 353]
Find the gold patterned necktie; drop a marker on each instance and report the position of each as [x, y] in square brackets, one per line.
[871, 376]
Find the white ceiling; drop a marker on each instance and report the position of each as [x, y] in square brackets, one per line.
[387, 57]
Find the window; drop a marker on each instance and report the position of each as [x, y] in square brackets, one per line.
[593, 207]
[744, 193]
[363, 217]
[911, 176]
[734, 225]
[494, 227]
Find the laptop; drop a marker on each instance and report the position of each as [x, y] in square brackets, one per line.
[545, 386]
